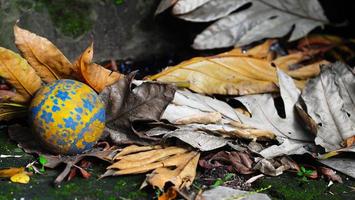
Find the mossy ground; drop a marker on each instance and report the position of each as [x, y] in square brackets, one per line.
[287, 186]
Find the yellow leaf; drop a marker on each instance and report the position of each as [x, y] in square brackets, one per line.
[143, 158]
[135, 149]
[182, 176]
[17, 72]
[7, 173]
[171, 161]
[20, 178]
[48, 61]
[259, 51]
[307, 71]
[95, 75]
[11, 110]
[284, 62]
[227, 75]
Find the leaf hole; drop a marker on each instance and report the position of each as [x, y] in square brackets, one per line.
[239, 107]
[280, 107]
[244, 7]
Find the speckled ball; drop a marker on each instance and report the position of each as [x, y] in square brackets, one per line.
[67, 116]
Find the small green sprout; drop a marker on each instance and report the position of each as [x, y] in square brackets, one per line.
[42, 160]
[304, 173]
[221, 181]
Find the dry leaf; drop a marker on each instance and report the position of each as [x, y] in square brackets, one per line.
[224, 74]
[12, 110]
[9, 172]
[262, 19]
[171, 194]
[160, 160]
[17, 72]
[125, 106]
[10, 96]
[181, 177]
[144, 158]
[20, 178]
[48, 61]
[94, 75]
[135, 149]
[329, 100]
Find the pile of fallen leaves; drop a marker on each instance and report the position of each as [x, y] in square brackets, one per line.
[175, 118]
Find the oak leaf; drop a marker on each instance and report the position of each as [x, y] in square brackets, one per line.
[48, 61]
[19, 74]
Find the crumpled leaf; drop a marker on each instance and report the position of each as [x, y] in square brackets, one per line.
[17, 72]
[330, 174]
[240, 162]
[222, 192]
[48, 61]
[329, 101]
[125, 106]
[206, 136]
[12, 110]
[263, 19]
[276, 166]
[265, 116]
[331, 46]
[94, 75]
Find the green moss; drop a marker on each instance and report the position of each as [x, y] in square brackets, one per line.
[293, 188]
[72, 18]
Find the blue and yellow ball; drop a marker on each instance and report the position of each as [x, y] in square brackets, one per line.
[67, 116]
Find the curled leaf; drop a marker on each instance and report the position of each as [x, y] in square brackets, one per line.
[94, 75]
[17, 72]
[48, 61]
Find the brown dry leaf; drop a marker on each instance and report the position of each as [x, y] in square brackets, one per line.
[170, 194]
[135, 149]
[231, 75]
[94, 75]
[9, 172]
[144, 158]
[10, 96]
[182, 176]
[48, 61]
[17, 72]
[12, 110]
